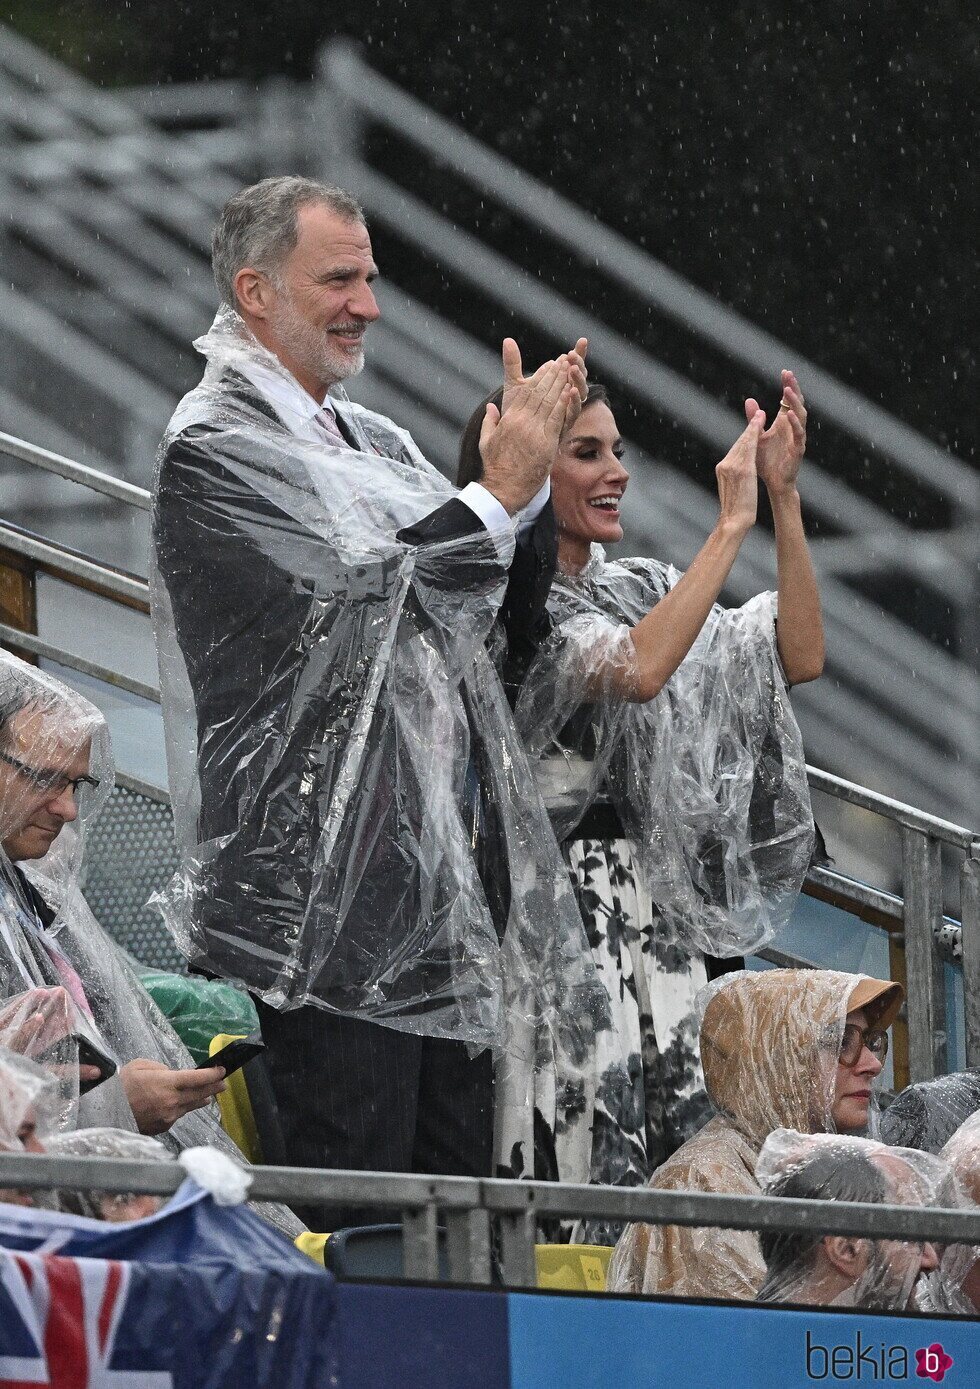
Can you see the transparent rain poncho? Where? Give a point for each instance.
(339, 746)
(708, 778)
(120, 1145)
(47, 1026)
(856, 1271)
(51, 946)
(955, 1286)
(770, 1042)
(30, 1100)
(28, 1094)
(927, 1114)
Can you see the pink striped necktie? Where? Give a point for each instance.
(327, 421)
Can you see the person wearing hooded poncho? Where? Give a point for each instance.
(648, 693)
(954, 1287)
(821, 1270)
(793, 1049)
(29, 1111)
(61, 976)
(927, 1114)
(359, 837)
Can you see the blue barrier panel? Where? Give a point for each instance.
(580, 1342)
(422, 1338)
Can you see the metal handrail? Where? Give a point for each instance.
(644, 275)
(85, 476)
(424, 1201)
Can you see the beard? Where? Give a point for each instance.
(314, 349)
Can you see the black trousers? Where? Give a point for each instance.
(356, 1095)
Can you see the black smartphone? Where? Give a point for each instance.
(236, 1053)
(89, 1055)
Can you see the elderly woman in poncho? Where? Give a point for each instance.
(781, 1049)
(672, 763)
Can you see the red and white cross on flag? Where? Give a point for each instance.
(71, 1310)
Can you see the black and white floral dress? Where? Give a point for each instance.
(686, 828)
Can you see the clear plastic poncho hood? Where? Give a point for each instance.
(119, 1145)
(28, 1093)
(770, 1042)
(955, 1285)
(56, 769)
(61, 975)
(852, 1272)
(332, 718)
(927, 1114)
(709, 778)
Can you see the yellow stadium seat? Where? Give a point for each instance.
(311, 1244)
(237, 1119)
(572, 1267)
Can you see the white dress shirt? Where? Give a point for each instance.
(298, 411)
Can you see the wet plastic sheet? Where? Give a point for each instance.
(770, 1043)
(927, 1114)
(846, 1271)
(955, 1286)
(199, 1009)
(339, 746)
(709, 777)
(55, 958)
(120, 1145)
(29, 1093)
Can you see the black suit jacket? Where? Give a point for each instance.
(252, 631)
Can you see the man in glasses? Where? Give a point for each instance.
(46, 776)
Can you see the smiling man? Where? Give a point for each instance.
(355, 823)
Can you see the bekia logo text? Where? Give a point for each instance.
(872, 1362)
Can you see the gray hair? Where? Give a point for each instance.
(258, 226)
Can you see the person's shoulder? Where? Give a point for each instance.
(652, 572)
(712, 1160)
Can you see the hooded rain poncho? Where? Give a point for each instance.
(769, 1047)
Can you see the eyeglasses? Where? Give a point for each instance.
(48, 781)
(855, 1039)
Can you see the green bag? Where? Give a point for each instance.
(198, 1009)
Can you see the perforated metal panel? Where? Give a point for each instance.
(130, 854)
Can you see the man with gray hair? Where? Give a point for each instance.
(357, 825)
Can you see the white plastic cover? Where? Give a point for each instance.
(73, 954)
(226, 1180)
(770, 1042)
(955, 1286)
(28, 1092)
(872, 1273)
(107, 1143)
(709, 778)
(338, 742)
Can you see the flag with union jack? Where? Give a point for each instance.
(184, 1312)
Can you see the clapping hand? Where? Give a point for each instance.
(519, 442)
(782, 445)
(577, 374)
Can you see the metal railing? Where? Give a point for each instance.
(464, 1208)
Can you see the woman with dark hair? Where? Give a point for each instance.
(672, 764)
